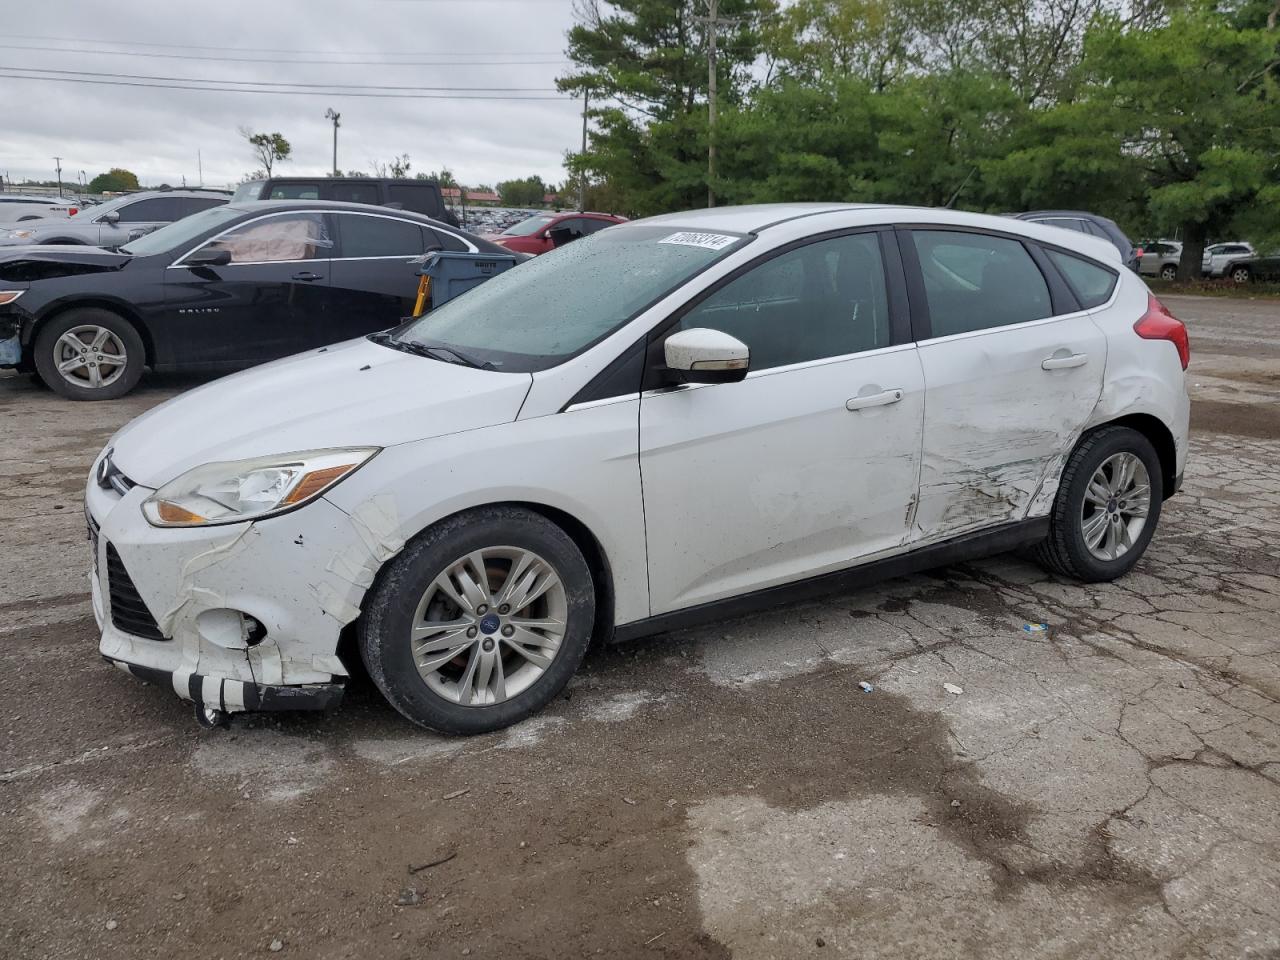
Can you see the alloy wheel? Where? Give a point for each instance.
(489, 626)
(1116, 504)
(90, 356)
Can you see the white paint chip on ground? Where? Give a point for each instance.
(952, 688)
(265, 764)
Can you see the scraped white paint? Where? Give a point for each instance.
(393, 751)
(64, 811)
(621, 706)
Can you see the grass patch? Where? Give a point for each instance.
(1215, 288)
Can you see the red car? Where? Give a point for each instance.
(546, 231)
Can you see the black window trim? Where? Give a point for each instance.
(1062, 298)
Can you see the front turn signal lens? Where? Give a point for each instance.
(8, 296)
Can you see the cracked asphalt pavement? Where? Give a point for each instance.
(1108, 787)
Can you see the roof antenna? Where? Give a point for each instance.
(951, 203)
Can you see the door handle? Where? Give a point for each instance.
(1064, 363)
(873, 400)
(307, 275)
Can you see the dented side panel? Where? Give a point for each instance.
(998, 426)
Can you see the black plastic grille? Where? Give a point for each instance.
(128, 612)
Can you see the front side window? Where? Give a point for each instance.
(974, 281)
(294, 191)
(1092, 283)
(542, 312)
(378, 237)
(825, 299)
(355, 192)
(154, 210)
(294, 236)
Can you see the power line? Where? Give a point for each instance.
(277, 62)
(343, 53)
(9, 73)
(279, 83)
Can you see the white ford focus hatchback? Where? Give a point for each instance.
(671, 421)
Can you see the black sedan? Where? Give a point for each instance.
(226, 288)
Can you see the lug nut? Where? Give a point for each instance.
(482, 609)
(487, 645)
(505, 609)
(508, 630)
(471, 631)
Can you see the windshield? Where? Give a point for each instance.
(528, 227)
(180, 232)
(247, 191)
(544, 311)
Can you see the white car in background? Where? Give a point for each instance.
(667, 423)
(1160, 258)
(1216, 257)
(14, 208)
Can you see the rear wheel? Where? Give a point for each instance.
(1107, 506)
(1169, 272)
(89, 354)
(480, 622)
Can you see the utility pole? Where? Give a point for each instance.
(331, 114)
(58, 161)
(200, 167)
(713, 21)
(582, 174)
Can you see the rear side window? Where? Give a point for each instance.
(974, 281)
(446, 241)
(1092, 283)
(190, 205)
(363, 236)
(411, 196)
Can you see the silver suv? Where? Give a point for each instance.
(116, 222)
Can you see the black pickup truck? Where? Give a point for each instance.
(416, 196)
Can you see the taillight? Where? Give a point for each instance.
(1138, 252)
(1159, 324)
(73, 212)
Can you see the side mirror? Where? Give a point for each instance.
(208, 257)
(111, 216)
(702, 355)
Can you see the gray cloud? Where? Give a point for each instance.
(157, 132)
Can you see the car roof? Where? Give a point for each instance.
(759, 218)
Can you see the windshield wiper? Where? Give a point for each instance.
(431, 351)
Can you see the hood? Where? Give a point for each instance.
(353, 394)
(24, 264)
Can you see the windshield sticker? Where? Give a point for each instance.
(712, 241)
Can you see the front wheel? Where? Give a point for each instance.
(1107, 506)
(1240, 274)
(480, 622)
(1169, 272)
(89, 354)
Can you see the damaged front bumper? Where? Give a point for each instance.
(10, 341)
(239, 617)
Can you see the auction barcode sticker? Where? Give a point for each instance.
(712, 241)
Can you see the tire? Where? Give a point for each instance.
(514, 686)
(1169, 272)
(1240, 274)
(1076, 510)
(117, 338)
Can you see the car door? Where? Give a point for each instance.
(136, 220)
(271, 300)
(374, 278)
(810, 463)
(1012, 368)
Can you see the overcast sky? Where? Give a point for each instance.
(157, 132)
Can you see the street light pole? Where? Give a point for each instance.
(331, 114)
(58, 161)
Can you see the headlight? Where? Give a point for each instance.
(21, 234)
(249, 489)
